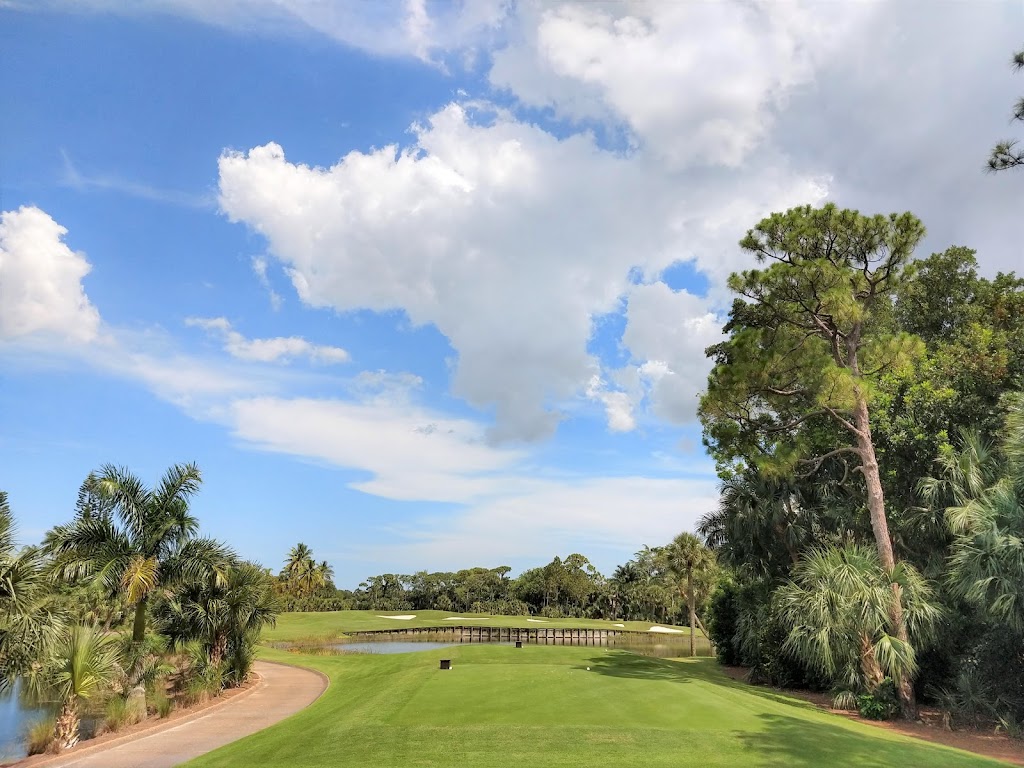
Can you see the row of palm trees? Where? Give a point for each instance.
(140, 548)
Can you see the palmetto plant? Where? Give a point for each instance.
(81, 663)
(139, 540)
(839, 610)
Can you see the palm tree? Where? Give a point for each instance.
(140, 541)
(300, 570)
(690, 563)
(982, 490)
(29, 621)
(226, 616)
(839, 610)
(82, 663)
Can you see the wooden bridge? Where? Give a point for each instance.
(482, 634)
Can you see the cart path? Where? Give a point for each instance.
(282, 691)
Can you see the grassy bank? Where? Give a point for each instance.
(300, 626)
(541, 706)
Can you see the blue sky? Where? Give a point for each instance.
(427, 285)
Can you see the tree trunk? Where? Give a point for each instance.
(691, 600)
(65, 729)
(869, 663)
(139, 628)
(880, 527)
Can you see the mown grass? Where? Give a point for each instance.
(294, 627)
(541, 706)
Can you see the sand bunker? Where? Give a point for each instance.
(620, 625)
(539, 621)
(667, 630)
(400, 618)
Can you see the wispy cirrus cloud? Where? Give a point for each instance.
(75, 179)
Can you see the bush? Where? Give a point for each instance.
(722, 624)
(881, 704)
(39, 735)
(161, 704)
(117, 714)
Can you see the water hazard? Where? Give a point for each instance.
(15, 718)
(659, 647)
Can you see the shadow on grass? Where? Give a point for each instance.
(631, 665)
(791, 742)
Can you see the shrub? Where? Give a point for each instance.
(117, 714)
(881, 703)
(161, 704)
(39, 736)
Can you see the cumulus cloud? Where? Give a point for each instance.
(667, 332)
(41, 291)
(277, 349)
(506, 238)
(694, 82)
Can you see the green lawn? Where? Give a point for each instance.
(539, 706)
(303, 626)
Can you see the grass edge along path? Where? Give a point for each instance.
(542, 705)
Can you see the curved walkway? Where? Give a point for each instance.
(282, 691)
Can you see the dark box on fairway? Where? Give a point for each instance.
(446, 663)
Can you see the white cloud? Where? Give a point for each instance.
(277, 349)
(41, 292)
(418, 28)
(259, 266)
(694, 82)
(411, 453)
(669, 331)
(606, 518)
(507, 239)
(618, 406)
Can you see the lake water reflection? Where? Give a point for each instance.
(660, 646)
(15, 718)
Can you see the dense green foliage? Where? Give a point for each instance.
(909, 441)
(77, 614)
(543, 706)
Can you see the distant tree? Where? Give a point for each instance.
(691, 563)
(1005, 154)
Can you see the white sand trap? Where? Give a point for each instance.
(620, 625)
(468, 618)
(539, 621)
(400, 618)
(666, 630)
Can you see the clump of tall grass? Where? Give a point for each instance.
(117, 714)
(161, 703)
(39, 735)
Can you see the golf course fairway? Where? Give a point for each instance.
(540, 706)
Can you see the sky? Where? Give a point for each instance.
(427, 285)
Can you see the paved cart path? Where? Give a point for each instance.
(282, 691)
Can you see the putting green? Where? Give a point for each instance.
(540, 706)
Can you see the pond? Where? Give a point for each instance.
(657, 646)
(15, 718)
